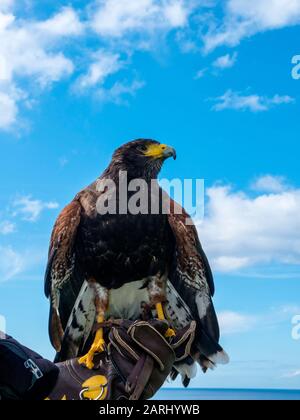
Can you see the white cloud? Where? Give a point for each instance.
(225, 61)
(241, 231)
(30, 209)
(104, 64)
(115, 18)
(270, 183)
(226, 263)
(28, 50)
(11, 263)
(281, 99)
(119, 92)
(15, 262)
(7, 227)
(25, 50)
(293, 374)
(235, 323)
(63, 161)
(176, 13)
(8, 110)
(200, 73)
(289, 310)
(254, 103)
(232, 322)
(2, 327)
(125, 27)
(64, 23)
(6, 5)
(244, 18)
(47, 68)
(35, 51)
(266, 14)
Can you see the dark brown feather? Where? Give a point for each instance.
(190, 258)
(59, 270)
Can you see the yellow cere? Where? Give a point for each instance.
(156, 150)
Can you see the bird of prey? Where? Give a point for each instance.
(116, 264)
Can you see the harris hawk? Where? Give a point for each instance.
(116, 264)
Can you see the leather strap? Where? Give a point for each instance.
(139, 377)
(152, 343)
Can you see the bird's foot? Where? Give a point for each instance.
(87, 360)
(170, 333)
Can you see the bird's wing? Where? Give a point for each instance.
(191, 279)
(77, 333)
(63, 278)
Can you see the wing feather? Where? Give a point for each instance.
(192, 279)
(63, 277)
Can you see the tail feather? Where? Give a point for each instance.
(209, 331)
(207, 316)
(211, 349)
(207, 348)
(187, 370)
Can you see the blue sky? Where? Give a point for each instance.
(211, 78)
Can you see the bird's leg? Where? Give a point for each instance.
(98, 346)
(156, 290)
(160, 314)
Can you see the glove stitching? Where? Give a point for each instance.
(155, 357)
(127, 347)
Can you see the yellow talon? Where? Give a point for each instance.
(160, 313)
(170, 333)
(98, 346)
(87, 360)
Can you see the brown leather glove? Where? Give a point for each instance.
(137, 362)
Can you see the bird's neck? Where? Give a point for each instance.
(116, 171)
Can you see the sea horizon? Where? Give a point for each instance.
(202, 394)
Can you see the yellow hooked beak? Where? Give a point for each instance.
(160, 151)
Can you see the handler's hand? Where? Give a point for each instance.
(137, 362)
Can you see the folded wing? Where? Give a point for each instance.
(191, 289)
(64, 277)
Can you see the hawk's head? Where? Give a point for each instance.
(142, 158)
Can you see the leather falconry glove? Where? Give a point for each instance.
(135, 365)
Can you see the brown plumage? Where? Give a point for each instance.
(123, 260)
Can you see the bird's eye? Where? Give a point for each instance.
(143, 148)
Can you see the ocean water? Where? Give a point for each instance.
(226, 394)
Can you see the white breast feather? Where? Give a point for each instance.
(126, 301)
